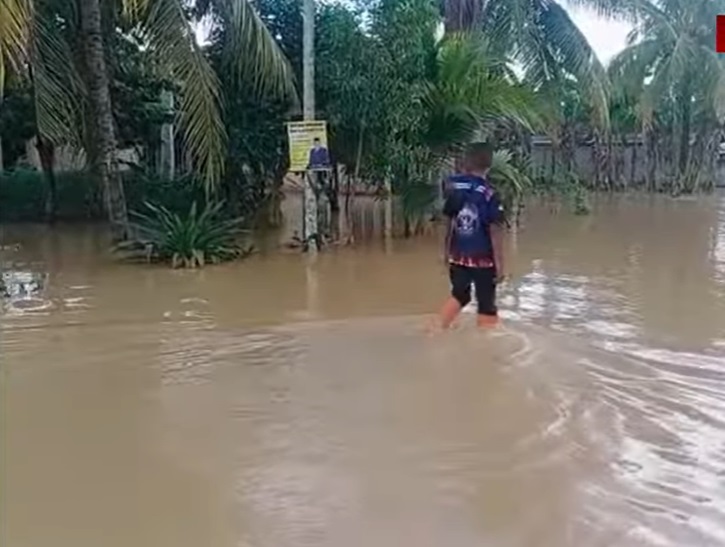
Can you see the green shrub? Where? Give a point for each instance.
(565, 188)
(23, 195)
(191, 240)
(175, 194)
(511, 181)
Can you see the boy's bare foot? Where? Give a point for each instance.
(487, 321)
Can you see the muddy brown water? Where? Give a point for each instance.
(277, 403)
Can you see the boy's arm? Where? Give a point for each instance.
(449, 211)
(447, 241)
(498, 231)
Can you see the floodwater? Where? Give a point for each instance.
(274, 403)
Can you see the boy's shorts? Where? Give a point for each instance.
(484, 279)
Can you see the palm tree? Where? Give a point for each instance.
(474, 89)
(540, 35)
(471, 89)
(166, 27)
(105, 162)
(15, 16)
(670, 68)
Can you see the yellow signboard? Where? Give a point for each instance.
(308, 146)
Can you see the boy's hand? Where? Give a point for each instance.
(501, 274)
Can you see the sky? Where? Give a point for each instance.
(606, 37)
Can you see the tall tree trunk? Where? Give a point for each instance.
(711, 157)
(349, 232)
(596, 172)
(105, 160)
(167, 157)
(650, 159)
(633, 167)
(462, 15)
(2, 87)
(308, 100)
(46, 153)
(333, 197)
(685, 128)
(388, 227)
(620, 148)
(602, 160)
(568, 148)
(553, 161)
(609, 158)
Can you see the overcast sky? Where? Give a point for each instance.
(606, 37)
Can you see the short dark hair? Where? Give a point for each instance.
(316, 139)
(478, 156)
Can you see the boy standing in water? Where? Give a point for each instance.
(474, 238)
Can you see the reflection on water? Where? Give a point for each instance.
(278, 402)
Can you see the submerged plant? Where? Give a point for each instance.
(511, 182)
(189, 241)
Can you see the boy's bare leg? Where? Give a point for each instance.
(450, 310)
(487, 321)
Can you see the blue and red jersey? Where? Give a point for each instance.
(473, 206)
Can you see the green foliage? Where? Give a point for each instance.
(401, 100)
(347, 92)
(136, 94)
(436, 96)
(670, 82)
(142, 185)
(417, 198)
(34, 105)
(192, 240)
(471, 75)
(17, 120)
(670, 52)
(566, 187)
(54, 45)
(549, 47)
(510, 180)
(23, 194)
(256, 147)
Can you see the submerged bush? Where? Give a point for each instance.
(566, 189)
(24, 191)
(191, 240)
(23, 194)
(511, 182)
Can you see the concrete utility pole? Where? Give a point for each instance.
(308, 59)
(308, 106)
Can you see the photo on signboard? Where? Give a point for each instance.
(308, 150)
(319, 157)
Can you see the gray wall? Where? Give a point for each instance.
(541, 159)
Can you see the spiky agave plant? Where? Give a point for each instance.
(200, 237)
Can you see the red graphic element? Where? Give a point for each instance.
(720, 34)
